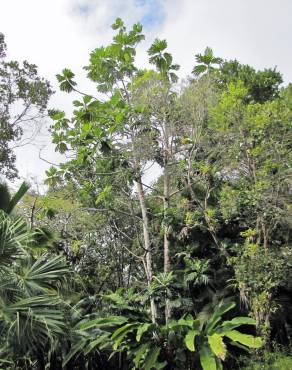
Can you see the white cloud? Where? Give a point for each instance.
(257, 32)
(61, 33)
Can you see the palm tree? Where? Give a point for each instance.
(206, 60)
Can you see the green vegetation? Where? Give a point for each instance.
(192, 271)
(273, 361)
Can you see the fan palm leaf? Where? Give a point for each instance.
(14, 238)
(41, 275)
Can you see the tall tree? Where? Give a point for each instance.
(110, 128)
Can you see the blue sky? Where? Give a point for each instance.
(153, 10)
(154, 14)
(150, 13)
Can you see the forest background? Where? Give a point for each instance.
(107, 269)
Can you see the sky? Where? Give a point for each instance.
(54, 34)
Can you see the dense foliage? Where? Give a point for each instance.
(193, 270)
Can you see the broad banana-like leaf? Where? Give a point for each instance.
(207, 359)
(188, 321)
(245, 339)
(190, 339)
(234, 323)
(216, 317)
(217, 346)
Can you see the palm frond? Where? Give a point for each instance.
(17, 196)
(14, 238)
(32, 321)
(44, 274)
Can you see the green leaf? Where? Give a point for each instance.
(157, 46)
(118, 24)
(127, 57)
(105, 193)
(102, 341)
(140, 353)
(190, 339)
(103, 322)
(160, 365)
(245, 339)
(216, 317)
(61, 147)
(207, 359)
(74, 350)
(66, 80)
(121, 333)
(57, 115)
(190, 322)
(119, 117)
(87, 99)
(17, 196)
(150, 361)
(76, 103)
(217, 346)
(122, 329)
(120, 338)
(67, 73)
(86, 126)
(141, 330)
(199, 69)
(234, 323)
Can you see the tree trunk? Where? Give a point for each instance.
(147, 243)
(166, 195)
(166, 263)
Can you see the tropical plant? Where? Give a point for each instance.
(150, 345)
(149, 257)
(31, 308)
(8, 202)
(207, 62)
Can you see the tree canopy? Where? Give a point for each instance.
(190, 271)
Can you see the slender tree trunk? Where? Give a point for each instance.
(147, 243)
(166, 263)
(32, 213)
(166, 246)
(166, 195)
